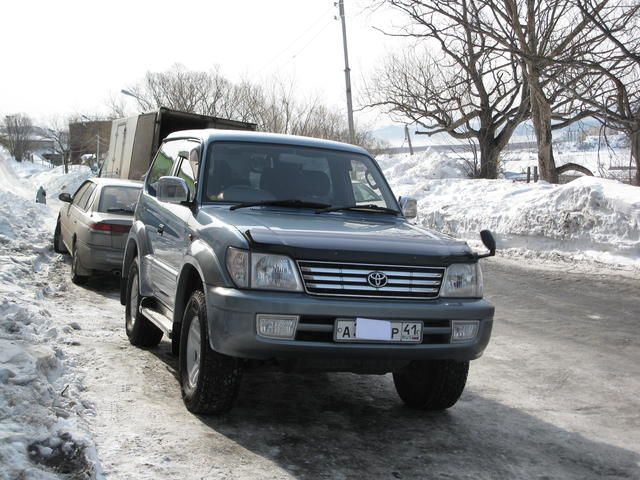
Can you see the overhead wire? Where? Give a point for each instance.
(291, 44)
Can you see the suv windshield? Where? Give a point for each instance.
(240, 172)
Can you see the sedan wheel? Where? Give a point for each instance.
(75, 278)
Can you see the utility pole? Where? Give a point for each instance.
(408, 137)
(347, 74)
(98, 149)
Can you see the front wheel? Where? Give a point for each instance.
(209, 380)
(431, 385)
(58, 244)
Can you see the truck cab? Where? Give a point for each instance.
(253, 249)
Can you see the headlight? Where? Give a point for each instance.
(462, 280)
(274, 272)
(268, 272)
(238, 266)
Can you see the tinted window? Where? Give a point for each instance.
(248, 172)
(162, 164)
(117, 199)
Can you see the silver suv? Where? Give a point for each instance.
(251, 249)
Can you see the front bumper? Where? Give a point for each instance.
(232, 325)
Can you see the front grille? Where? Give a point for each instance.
(351, 279)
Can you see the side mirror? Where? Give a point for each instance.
(409, 207)
(65, 197)
(172, 190)
(489, 242)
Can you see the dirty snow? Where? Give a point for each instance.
(590, 219)
(42, 427)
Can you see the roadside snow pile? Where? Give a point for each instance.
(55, 181)
(40, 405)
(589, 218)
(406, 169)
(39, 437)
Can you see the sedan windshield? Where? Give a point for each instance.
(255, 173)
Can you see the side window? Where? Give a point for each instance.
(87, 197)
(82, 195)
(162, 164)
(190, 162)
(365, 188)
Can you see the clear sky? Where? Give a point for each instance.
(69, 56)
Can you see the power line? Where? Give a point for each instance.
(312, 39)
(305, 32)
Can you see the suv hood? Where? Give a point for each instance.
(354, 237)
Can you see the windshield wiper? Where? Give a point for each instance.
(370, 207)
(123, 210)
(293, 203)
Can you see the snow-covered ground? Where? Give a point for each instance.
(42, 430)
(69, 379)
(591, 219)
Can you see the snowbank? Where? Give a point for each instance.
(406, 169)
(41, 434)
(590, 218)
(55, 181)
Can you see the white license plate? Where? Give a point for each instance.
(372, 330)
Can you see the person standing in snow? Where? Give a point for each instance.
(41, 196)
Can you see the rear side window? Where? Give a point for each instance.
(117, 199)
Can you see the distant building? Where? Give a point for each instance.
(89, 137)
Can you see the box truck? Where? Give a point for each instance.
(135, 140)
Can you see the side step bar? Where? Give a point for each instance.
(158, 319)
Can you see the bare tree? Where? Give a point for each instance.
(549, 38)
(612, 90)
(16, 135)
(117, 107)
(182, 89)
(457, 82)
(274, 106)
(57, 131)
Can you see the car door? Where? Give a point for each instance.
(154, 216)
(170, 235)
(79, 217)
(68, 217)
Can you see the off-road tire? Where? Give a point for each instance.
(141, 332)
(431, 385)
(75, 278)
(219, 375)
(58, 245)
(175, 339)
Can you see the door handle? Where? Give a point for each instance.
(160, 229)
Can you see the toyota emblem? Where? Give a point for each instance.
(377, 279)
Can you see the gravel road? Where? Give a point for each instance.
(556, 396)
